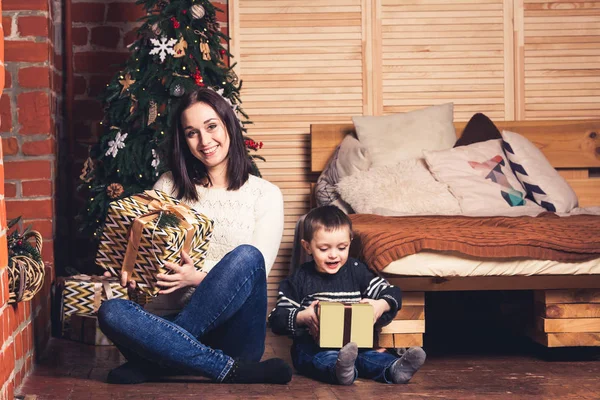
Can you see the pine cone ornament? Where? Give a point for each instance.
(114, 190)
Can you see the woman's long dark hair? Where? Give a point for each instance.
(187, 170)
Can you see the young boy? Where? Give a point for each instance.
(332, 276)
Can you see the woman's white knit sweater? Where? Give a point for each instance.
(251, 215)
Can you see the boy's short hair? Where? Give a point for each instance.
(329, 218)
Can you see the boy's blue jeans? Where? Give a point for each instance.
(317, 363)
(225, 318)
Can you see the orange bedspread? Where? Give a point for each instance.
(545, 237)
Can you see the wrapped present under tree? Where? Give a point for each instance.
(144, 231)
(83, 294)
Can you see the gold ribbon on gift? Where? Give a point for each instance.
(156, 206)
(100, 283)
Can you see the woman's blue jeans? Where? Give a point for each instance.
(317, 363)
(224, 319)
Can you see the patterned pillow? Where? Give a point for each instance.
(542, 183)
(349, 157)
(325, 191)
(479, 177)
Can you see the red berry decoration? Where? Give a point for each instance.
(222, 52)
(176, 23)
(19, 242)
(198, 78)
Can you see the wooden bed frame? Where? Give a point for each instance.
(568, 306)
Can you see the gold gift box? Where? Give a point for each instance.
(133, 239)
(83, 294)
(85, 328)
(340, 324)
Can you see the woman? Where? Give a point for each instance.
(220, 332)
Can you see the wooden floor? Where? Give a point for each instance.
(72, 370)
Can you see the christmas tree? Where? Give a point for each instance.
(179, 48)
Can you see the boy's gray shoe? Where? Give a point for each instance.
(403, 369)
(344, 367)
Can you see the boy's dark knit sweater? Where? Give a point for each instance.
(353, 282)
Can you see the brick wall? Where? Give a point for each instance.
(28, 109)
(101, 32)
(31, 126)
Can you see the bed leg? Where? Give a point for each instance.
(407, 329)
(567, 317)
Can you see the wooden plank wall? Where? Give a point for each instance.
(561, 55)
(326, 61)
(441, 51)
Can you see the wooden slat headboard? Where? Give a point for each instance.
(571, 146)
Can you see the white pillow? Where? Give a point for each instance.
(393, 138)
(406, 188)
(541, 181)
(479, 177)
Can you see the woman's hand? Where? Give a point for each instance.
(130, 285)
(184, 275)
(308, 317)
(379, 307)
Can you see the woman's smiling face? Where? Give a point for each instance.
(206, 135)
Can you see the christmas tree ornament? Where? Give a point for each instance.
(162, 4)
(114, 190)
(232, 77)
(198, 78)
(180, 48)
(156, 29)
(205, 49)
(197, 11)
(177, 90)
(134, 104)
(115, 145)
(176, 23)
(152, 112)
(222, 52)
(163, 47)
(200, 33)
(86, 172)
(155, 161)
(126, 82)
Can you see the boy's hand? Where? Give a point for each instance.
(308, 317)
(379, 307)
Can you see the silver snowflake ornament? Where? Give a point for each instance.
(163, 47)
(115, 145)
